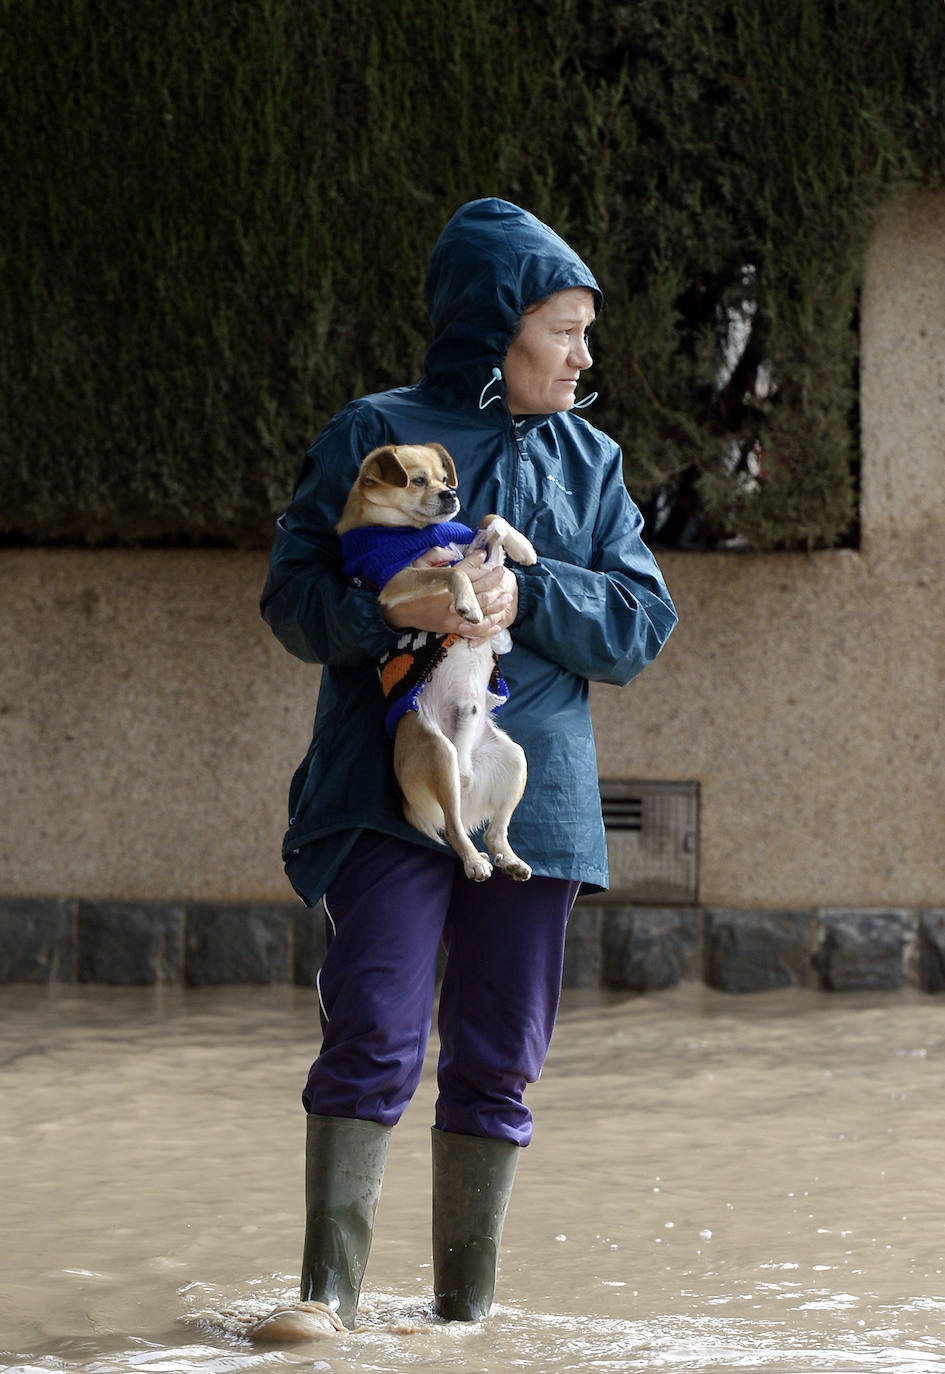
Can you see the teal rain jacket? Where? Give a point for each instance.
(594, 608)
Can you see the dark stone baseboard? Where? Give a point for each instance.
(128, 943)
(633, 949)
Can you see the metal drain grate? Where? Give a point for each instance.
(652, 840)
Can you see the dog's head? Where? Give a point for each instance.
(402, 484)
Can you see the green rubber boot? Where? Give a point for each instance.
(344, 1166)
(472, 1182)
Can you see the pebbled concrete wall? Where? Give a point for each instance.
(149, 722)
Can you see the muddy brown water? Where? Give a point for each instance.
(715, 1183)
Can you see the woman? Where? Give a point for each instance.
(511, 305)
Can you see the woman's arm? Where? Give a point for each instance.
(605, 622)
(306, 600)
(496, 591)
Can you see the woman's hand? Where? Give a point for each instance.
(496, 591)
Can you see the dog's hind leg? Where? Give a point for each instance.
(427, 768)
(505, 761)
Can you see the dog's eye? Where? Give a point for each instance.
(418, 481)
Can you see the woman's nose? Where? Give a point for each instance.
(581, 354)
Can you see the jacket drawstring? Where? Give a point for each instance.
(496, 377)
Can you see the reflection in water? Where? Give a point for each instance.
(715, 1184)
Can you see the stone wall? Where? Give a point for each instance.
(630, 949)
(149, 722)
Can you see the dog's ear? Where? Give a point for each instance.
(383, 465)
(447, 463)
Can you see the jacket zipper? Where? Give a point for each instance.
(518, 503)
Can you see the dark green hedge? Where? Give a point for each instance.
(217, 218)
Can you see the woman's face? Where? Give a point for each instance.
(548, 353)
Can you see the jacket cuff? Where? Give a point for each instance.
(530, 581)
(377, 636)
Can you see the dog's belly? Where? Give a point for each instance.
(457, 699)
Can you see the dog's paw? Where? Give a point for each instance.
(477, 870)
(520, 549)
(513, 867)
(464, 597)
(471, 613)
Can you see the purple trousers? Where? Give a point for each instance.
(385, 915)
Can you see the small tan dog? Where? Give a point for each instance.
(457, 770)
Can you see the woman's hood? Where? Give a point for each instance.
(489, 264)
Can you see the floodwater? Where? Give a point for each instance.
(715, 1184)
